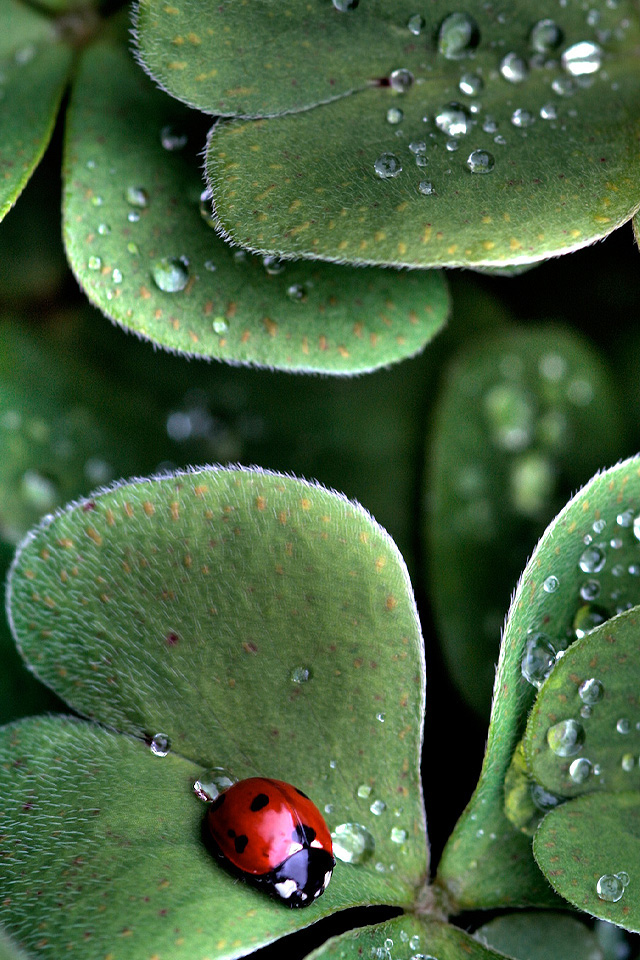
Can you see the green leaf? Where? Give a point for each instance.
(540, 936)
(102, 853)
(151, 261)
(591, 691)
(8, 949)
(602, 512)
(337, 183)
(194, 604)
(522, 419)
(34, 68)
(588, 845)
(410, 936)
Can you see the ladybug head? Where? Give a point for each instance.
(302, 877)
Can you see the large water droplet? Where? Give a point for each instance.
(352, 843)
(453, 120)
(171, 274)
(538, 660)
(592, 560)
(137, 196)
(400, 80)
(588, 617)
(458, 35)
(213, 782)
(545, 35)
(580, 770)
(513, 68)
(566, 738)
(582, 58)
(387, 165)
(160, 745)
(590, 691)
(481, 161)
(610, 888)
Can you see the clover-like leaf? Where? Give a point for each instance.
(263, 624)
(411, 936)
(523, 417)
(589, 849)
(139, 238)
(34, 67)
(528, 148)
(540, 936)
(580, 573)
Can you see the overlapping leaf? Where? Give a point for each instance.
(523, 418)
(140, 240)
(527, 150)
(263, 624)
(540, 936)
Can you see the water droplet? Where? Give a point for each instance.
(563, 86)
(172, 139)
(586, 711)
(414, 942)
(415, 24)
(378, 807)
(538, 660)
(489, 125)
(394, 115)
(133, 216)
(171, 274)
(590, 589)
(470, 84)
(599, 525)
(592, 560)
(329, 807)
(116, 275)
(625, 519)
(387, 165)
(543, 799)
(551, 584)
(160, 745)
(522, 118)
(453, 120)
(137, 196)
(452, 145)
(510, 413)
(94, 263)
(104, 229)
(565, 738)
(97, 200)
(219, 325)
(352, 843)
(623, 725)
(426, 188)
(380, 717)
(582, 58)
(345, 5)
(548, 111)
(591, 691)
(274, 266)
(627, 763)
(513, 68)
(297, 291)
(418, 146)
(210, 266)
(206, 209)
(458, 36)
(421, 160)
(398, 835)
(610, 888)
(587, 618)
(623, 876)
(213, 782)
(481, 161)
(580, 770)
(545, 35)
(300, 674)
(400, 80)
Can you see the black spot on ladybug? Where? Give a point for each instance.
(258, 802)
(231, 833)
(241, 842)
(303, 834)
(301, 793)
(217, 803)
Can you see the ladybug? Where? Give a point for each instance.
(270, 833)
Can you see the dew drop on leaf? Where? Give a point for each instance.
(352, 843)
(300, 674)
(545, 35)
(394, 115)
(470, 84)
(219, 325)
(513, 68)
(345, 5)
(400, 80)
(610, 888)
(453, 120)
(592, 560)
(212, 782)
(415, 24)
(387, 166)
(582, 58)
(170, 274)
(587, 618)
(160, 745)
(137, 196)
(481, 161)
(458, 35)
(378, 807)
(580, 770)
(623, 725)
(591, 691)
(565, 738)
(426, 188)
(538, 660)
(274, 266)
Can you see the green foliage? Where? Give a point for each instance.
(535, 936)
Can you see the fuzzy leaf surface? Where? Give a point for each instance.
(522, 419)
(190, 605)
(593, 513)
(540, 936)
(306, 184)
(34, 68)
(226, 303)
(87, 872)
(594, 838)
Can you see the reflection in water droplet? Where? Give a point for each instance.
(137, 196)
(565, 738)
(587, 618)
(400, 80)
(212, 782)
(387, 165)
(470, 84)
(545, 35)
(458, 35)
(378, 807)
(582, 58)
(590, 691)
(592, 560)
(453, 120)
(352, 843)
(416, 24)
(580, 770)
(610, 888)
(481, 161)
(538, 660)
(116, 275)
(160, 745)
(172, 139)
(170, 274)
(513, 68)
(300, 674)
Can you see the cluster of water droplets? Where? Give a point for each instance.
(611, 886)
(389, 951)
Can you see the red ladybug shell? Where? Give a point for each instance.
(273, 834)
